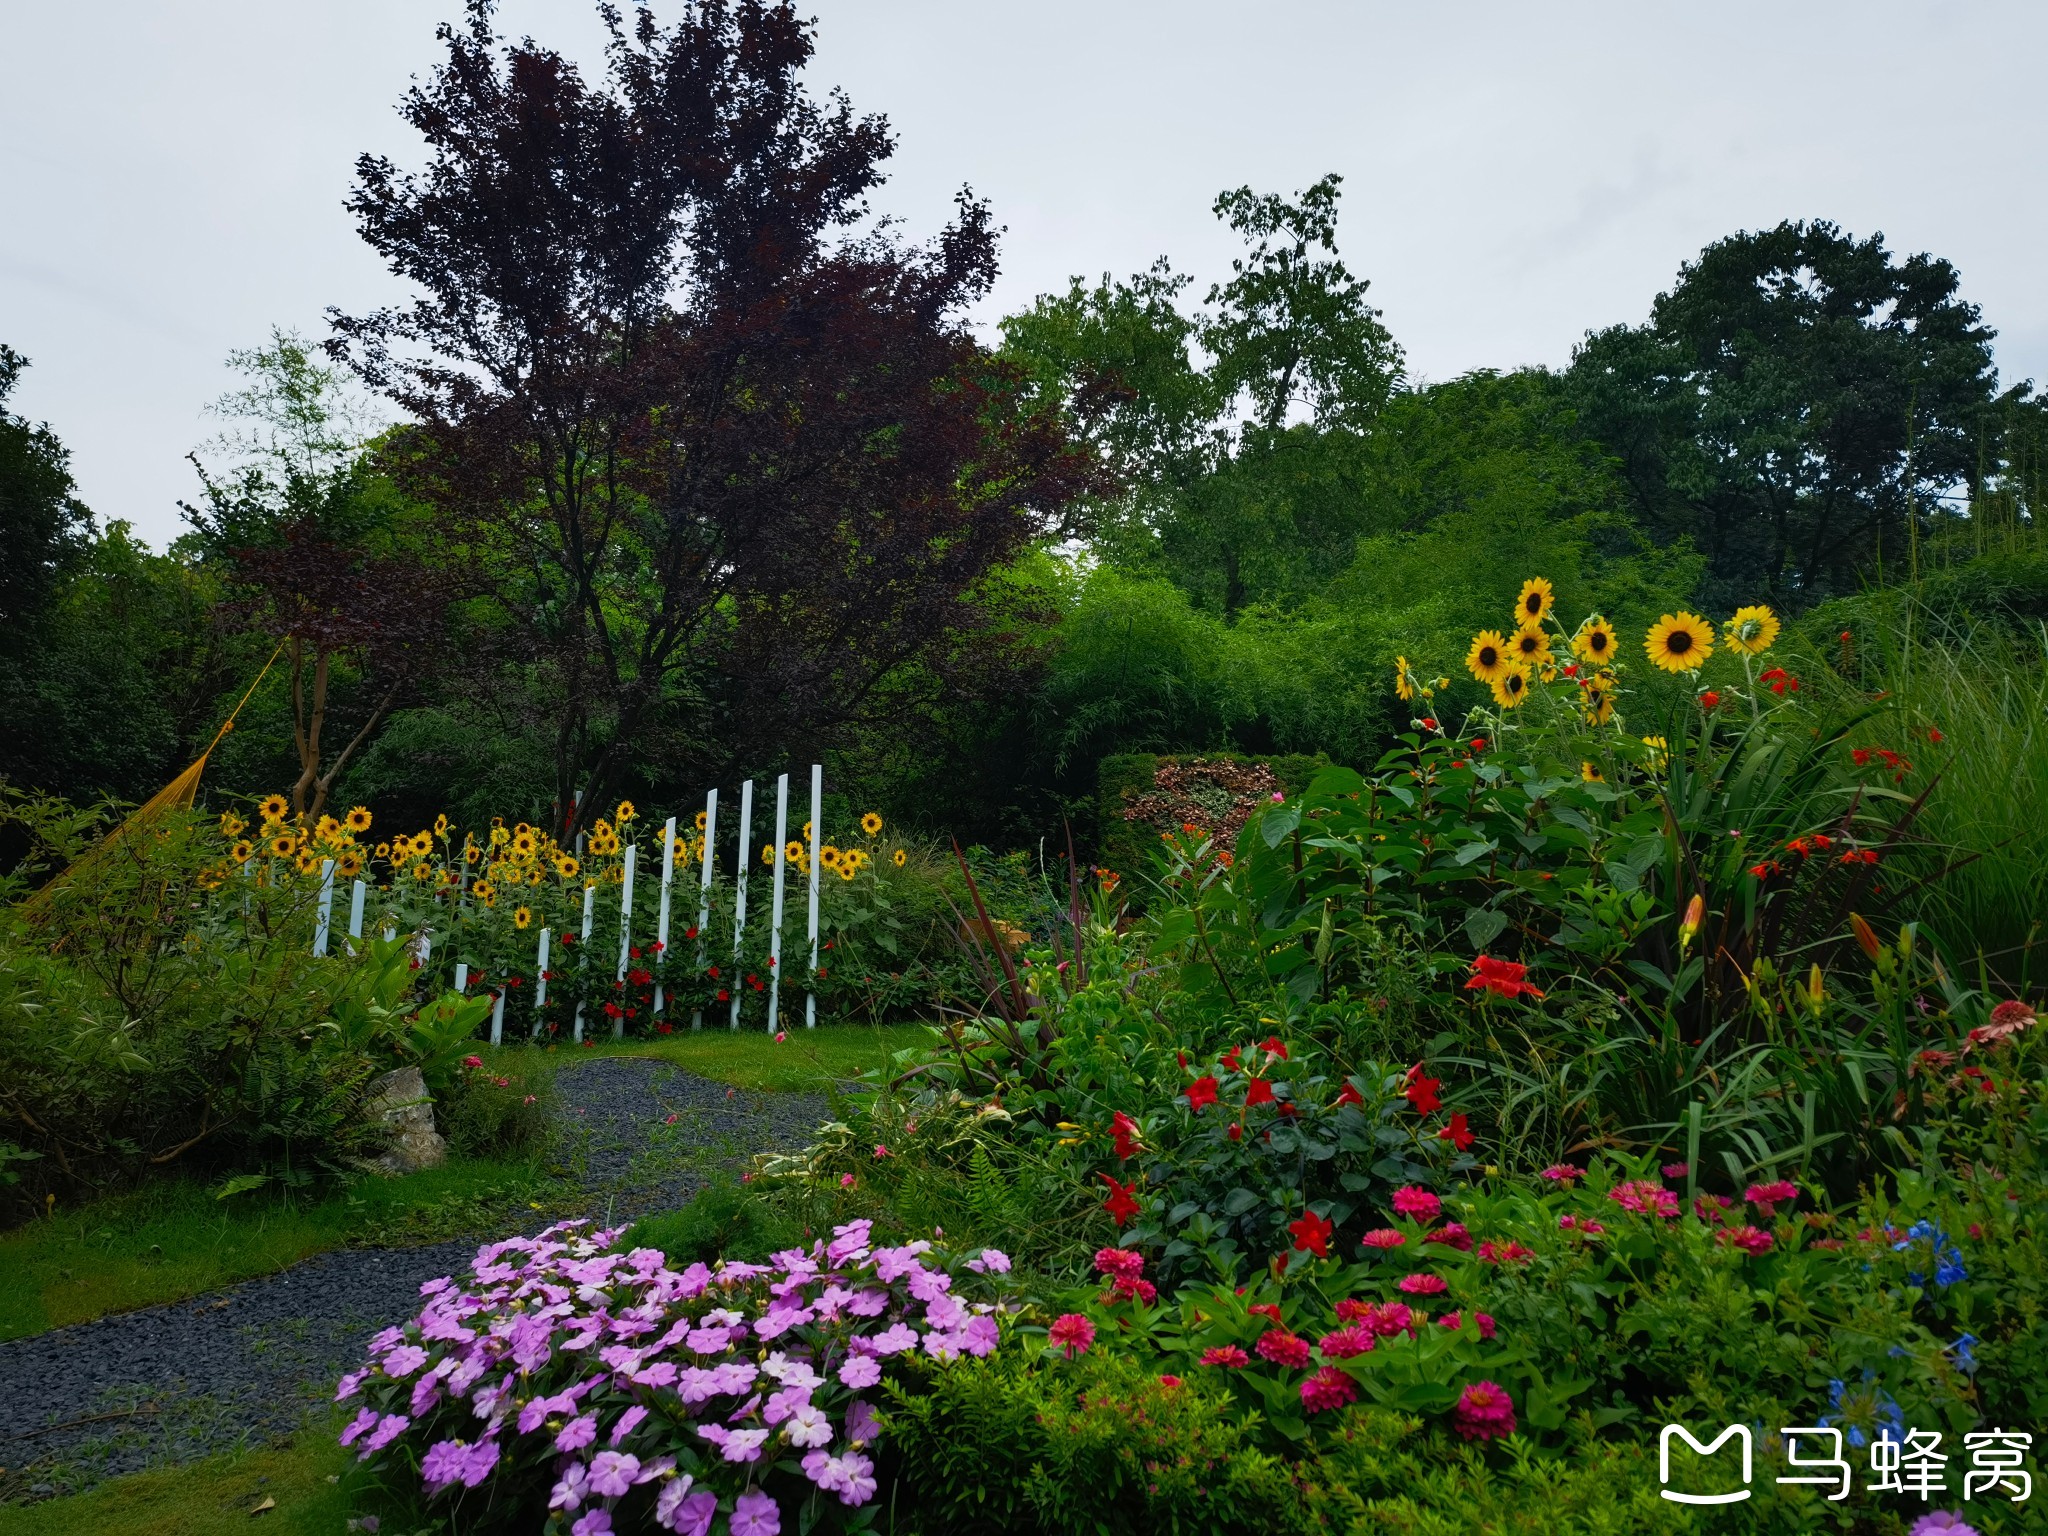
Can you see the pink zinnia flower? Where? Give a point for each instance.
(1228, 1356)
(1451, 1234)
(1423, 1285)
(1749, 1239)
(1383, 1238)
(1072, 1333)
(1645, 1197)
(1328, 1388)
(1768, 1197)
(1346, 1342)
(1417, 1204)
(1456, 1319)
(1563, 1173)
(1283, 1348)
(1484, 1412)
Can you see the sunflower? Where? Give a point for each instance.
(767, 853)
(500, 837)
(625, 812)
(231, 825)
(243, 851)
(1680, 642)
(793, 851)
(848, 869)
(272, 807)
(1596, 698)
(282, 845)
(523, 843)
(700, 820)
(536, 876)
(358, 818)
(1533, 606)
(349, 865)
(421, 872)
(871, 823)
(1403, 689)
(1511, 688)
(1591, 773)
(1594, 642)
(1488, 659)
(210, 879)
(898, 857)
(446, 876)
(522, 917)
(441, 825)
(1530, 646)
(1658, 748)
(829, 856)
(307, 862)
(327, 829)
(485, 892)
(566, 866)
(1752, 630)
(384, 850)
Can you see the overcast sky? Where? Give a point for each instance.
(172, 174)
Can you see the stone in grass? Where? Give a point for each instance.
(399, 1103)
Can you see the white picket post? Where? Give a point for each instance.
(540, 988)
(668, 874)
(326, 907)
(462, 976)
(355, 910)
(739, 900)
(817, 811)
(709, 854)
(775, 919)
(583, 951)
(498, 1018)
(625, 934)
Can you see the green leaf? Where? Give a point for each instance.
(1483, 925)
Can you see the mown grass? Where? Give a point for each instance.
(304, 1478)
(806, 1061)
(174, 1239)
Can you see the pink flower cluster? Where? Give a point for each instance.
(1768, 1197)
(1124, 1268)
(589, 1374)
(1484, 1412)
(1645, 1197)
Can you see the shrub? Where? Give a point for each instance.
(488, 1114)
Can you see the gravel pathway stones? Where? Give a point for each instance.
(173, 1383)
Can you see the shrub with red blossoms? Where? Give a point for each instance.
(1484, 1412)
(557, 1376)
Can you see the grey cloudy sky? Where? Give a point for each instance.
(173, 170)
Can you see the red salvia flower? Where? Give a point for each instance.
(1122, 1205)
(1312, 1234)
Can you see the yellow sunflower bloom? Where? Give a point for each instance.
(1403, 689)
(1530, 646)
(1488, 659)
(282, 845)
(871, 823)
(1596, 698)
(848, 869)
(1752, 630)
(421, 872)
(700, 821)
(500, 837)
(898, 857)
(793, 851)
(1533, 606)
(1680, 642)
(383, 850)
(349, 865)
(1658, 748)
(1511, 688)
(231, 825)
(441, 825)
(272, 807)
(523, 843)
(829, 856)
(243, 851)
(1594, 643)
(483, 890)
(522, 917)
(626, 812)
(1591, 773)
(359, 818)
(307, 862)
(536, 876)
(566, 866)
(767, 853)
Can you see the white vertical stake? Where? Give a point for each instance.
(540, 990)
(462, 976)
(625, 933)
(668, 875)
(326, 907)
(811, 981)
(710, 854)
(498, 1018)
(355, 910)
(583, 955)
(775, 918)
(739, 900)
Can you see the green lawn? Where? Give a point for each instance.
(302, 1479)
(806, 1060)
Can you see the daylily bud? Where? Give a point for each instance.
(1816, 997)
(1688, 929)
(1865, 936)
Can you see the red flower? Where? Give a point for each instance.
(1236, 1131)
(1264, 1309)
(1428, 724)
(1502, 977)
(1231, 1060)
(1478, 743)
(1484, 1412)
(1933, 735)
(1421, 1091)
(1124, 1131)
(1121, 1204)
(1710, 700)
(1072, 1333)
(1860, 856)
(1272, 1047)
(724, 996)
(1350, 1095)
(1257, 1090)
(1201, 1093)
(1328, 1388)
(1765, 870)
(1456, 1133)
(1312, 1234)
(1283, 1348)
(1860, 756)
(712, 972)
(1229, 1356)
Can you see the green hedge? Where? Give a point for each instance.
(1119, 779)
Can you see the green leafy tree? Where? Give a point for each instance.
(1800, 405)
(43, 525)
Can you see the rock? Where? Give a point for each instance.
(399, 1102)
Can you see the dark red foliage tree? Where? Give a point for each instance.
(735, 475)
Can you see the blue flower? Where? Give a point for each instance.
(1949, 1269)
(1965, 1351)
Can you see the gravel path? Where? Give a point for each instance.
(173, 1383)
